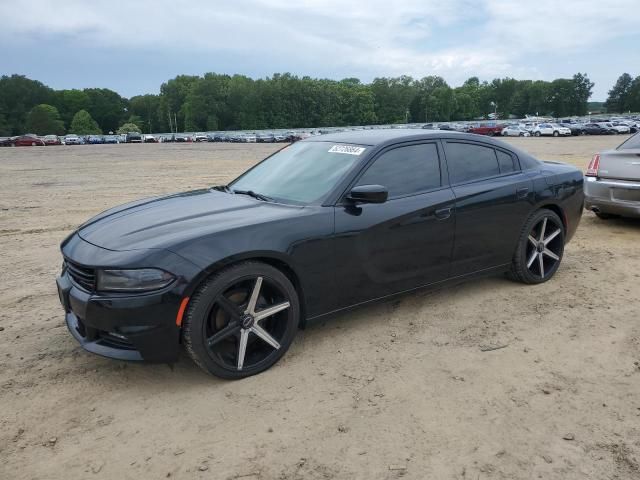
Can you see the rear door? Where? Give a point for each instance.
(403, 243)
(492, 203)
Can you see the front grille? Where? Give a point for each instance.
(83, 276)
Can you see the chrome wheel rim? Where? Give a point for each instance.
(544, 247)
(247, 323)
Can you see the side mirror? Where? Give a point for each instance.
(368, 194)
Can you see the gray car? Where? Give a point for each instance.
(612, 186)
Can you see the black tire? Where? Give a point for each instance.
(556, 133)
(217, 312)
(530, 264)
(605, 216)
(537, 134)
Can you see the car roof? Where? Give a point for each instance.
(382, 136)
(389, 136)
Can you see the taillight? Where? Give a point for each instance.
(594, 165)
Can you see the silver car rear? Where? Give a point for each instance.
(612, 184)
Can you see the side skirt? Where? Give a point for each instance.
(429, 286)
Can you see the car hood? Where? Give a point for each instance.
(165, 221)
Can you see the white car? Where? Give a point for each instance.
(551, 129)
(620, 127)
(515, 131)
(72, 140)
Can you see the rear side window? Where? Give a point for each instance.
(405, 170)
(468, 162)
(506, 162)
(631, 143)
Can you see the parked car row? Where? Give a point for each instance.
(31, 140)
(530, 126)
(568, 129)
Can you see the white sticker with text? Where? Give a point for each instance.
(348, 149)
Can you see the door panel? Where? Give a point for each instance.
(394, 246)
(489, 215)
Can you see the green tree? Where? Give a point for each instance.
(44, 119)
(172, 98)
(147, 108)
(392, 98)
(84, 124)
(582, 88)
(618, 100)
(129, 127)
(634, 95)
(69, 102)
(106, 107)
(18, 95)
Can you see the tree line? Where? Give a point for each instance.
(237, 102)
(625, 95)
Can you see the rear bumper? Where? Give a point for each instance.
(617, 197)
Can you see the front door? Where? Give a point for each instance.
(403, 243)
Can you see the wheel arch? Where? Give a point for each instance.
(275, 259)
(558, 210)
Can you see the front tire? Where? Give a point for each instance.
(540, 248)
(242, 320)
(556, 133)
(537, 134)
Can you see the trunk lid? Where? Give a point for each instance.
(620, 164)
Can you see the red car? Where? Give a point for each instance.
(489, 129)
(52, 140)
(27, 141)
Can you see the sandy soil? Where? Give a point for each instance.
(399, 389)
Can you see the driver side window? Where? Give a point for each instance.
(405, 170)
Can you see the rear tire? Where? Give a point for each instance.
(228, 330)
(537, 134)
(540, 248)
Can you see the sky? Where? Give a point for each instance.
(132, 47)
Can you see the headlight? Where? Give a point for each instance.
(137, 280)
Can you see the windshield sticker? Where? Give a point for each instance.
(348, 149)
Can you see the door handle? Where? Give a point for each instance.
(522, 192)
(443, 213)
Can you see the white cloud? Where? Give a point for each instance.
(452, 38)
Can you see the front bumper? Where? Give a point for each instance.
(141, 327)
(616, 197)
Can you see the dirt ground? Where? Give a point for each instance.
(398, 389)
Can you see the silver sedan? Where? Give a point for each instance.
(612, 186)
(515, 131)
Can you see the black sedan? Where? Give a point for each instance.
(595, 129)
(325, 224)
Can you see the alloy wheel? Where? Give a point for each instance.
(544, 247)
(245, 324)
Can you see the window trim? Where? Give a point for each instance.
(517, 165)
(441, 163)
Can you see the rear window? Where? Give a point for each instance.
(505, 161)
(468, 162)
(630, 143)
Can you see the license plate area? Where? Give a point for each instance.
(625, 195)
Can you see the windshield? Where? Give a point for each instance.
(302, 173)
